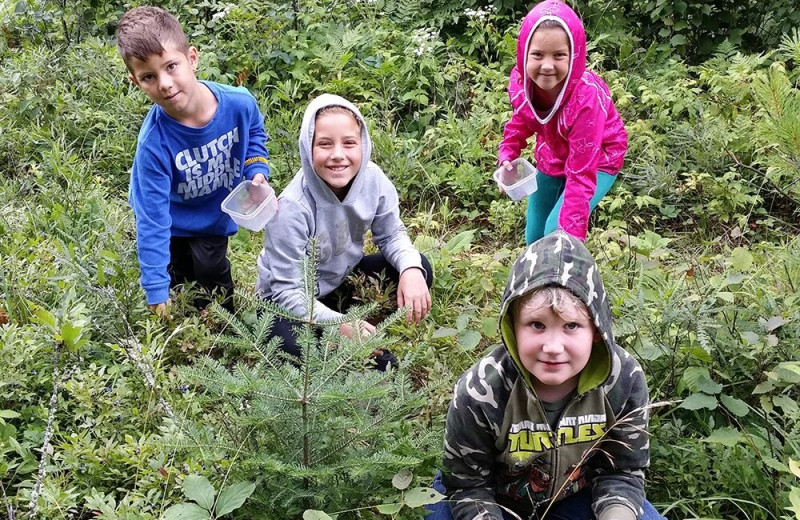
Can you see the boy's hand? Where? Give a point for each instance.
(256, 197)
(413, 291)
(259, 179)
(359, 327)
(162, 309)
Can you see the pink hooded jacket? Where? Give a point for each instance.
(581, 135)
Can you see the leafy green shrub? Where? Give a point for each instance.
(713, 332)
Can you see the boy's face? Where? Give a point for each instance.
(168, 80)
(336, 151)
(553, 347)
(547, 63)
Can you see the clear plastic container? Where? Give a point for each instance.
(251, 206)
(518, 182)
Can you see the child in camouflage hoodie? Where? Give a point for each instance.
(558, 412)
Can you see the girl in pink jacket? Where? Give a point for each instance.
(580, 138)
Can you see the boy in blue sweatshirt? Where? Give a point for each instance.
(197, 143)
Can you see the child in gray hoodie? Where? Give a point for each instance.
(337, 196)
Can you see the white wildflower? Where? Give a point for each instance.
(480, 14)
(422, 38)
(219, 15)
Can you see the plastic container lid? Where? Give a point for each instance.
(518, 182)
(251, 206)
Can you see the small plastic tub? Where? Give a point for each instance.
(520, 181)
(251, 206)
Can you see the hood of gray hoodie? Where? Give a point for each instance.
(322, 193)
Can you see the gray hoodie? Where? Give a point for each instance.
(308, 208)
(500, 449)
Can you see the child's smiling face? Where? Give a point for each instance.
(553, 346)
(547, 62)
(336, 150)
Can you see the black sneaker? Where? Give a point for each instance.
(383, 359)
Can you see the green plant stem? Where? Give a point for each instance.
(9, 508)
(789, 276)
(48, 432)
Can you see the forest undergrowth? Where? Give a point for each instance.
(106, 409)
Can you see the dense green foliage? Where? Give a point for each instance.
(697, 242)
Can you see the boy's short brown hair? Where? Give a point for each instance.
(143, 32)
(560, 299)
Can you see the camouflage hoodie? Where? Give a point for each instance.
(500, 451)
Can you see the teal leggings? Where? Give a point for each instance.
(544, 204)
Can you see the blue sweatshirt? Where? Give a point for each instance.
(181, 175)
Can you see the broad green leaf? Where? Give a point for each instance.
(794, 498)
(69, 334)
(469, 339)
(462, 321)
(42, 316)
(788, 404)
(313, 514)
(741, 259)
(422, 496)
(792, 366)
(402, 479)
(444, 332)
(697, 379)
(772, 340)
(7, 431)
(766, 403)
(425, 243)
(794, 466)
(678, 39)
(186, 511)
(101, 275)
(775, 464)
(390, 509)
(199, 489)
(708, 386)
(763, 387)
(773, 323)
(735, 278)
(233, 496)
(461, 242)
(698, 401)
(736, 406)
(725, 296)
(725, 436)
(787, 373)
(9, 414)
(750, 337)
(489, 327)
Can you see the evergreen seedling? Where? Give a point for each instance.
(319, 431)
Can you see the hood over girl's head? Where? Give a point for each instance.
(335, 147)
